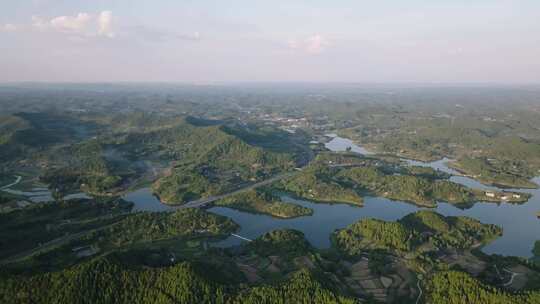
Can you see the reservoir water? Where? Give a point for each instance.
(519, 222)
(145, 200)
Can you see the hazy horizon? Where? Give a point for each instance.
(210, 41)
(403, 84)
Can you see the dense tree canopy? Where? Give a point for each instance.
(413, 231)
(106, 280)
(452, 287)
(263, 201)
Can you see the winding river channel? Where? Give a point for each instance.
(519, 222)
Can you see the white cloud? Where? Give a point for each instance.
(314, 44)
(76, 23)
(105, 24)
(8, 28)
(83, 24)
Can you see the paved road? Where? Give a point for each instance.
(192, 204)
(241, 237)
(514, 274)
(45, 246)
(204, 201)
(53, 243)
(12, 184)
(345, 165)
(207, 200)
(420, 294)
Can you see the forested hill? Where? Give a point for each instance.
(214, 159)
(421, 231)
(20, 133)
(453, 287)
(188, 138)
(107, 280)
(9, 125)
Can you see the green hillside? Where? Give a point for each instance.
(452, 287)
(107, 280)
(423, 230)
(263, 201)
(208, 161)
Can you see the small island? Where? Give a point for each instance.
(317, 183)
(414, 234)
(497, 173)
(264, 202)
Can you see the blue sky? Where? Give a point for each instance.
(280, 40)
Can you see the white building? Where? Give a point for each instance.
(490, 194)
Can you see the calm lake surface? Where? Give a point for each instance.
(519, 222)
(144, 200)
